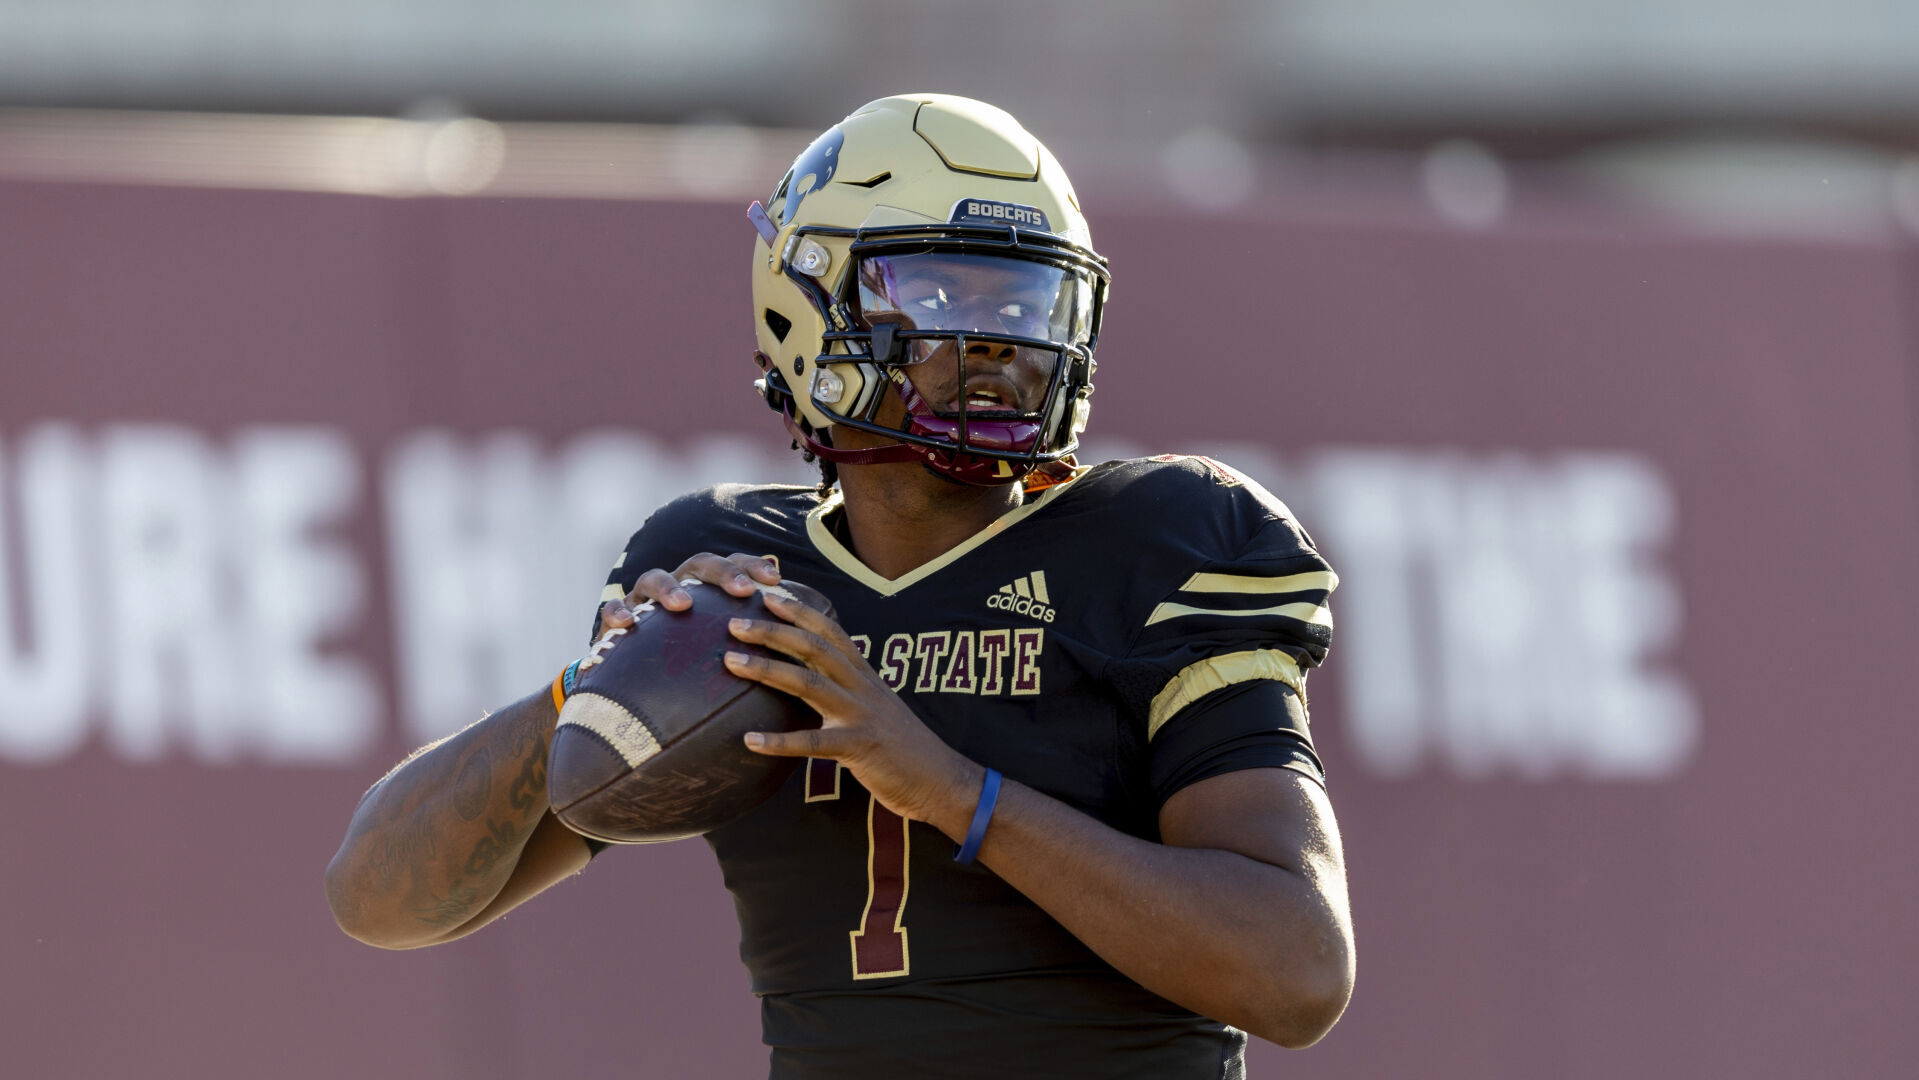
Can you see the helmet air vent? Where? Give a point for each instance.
(778, 323)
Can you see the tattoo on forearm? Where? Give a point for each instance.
(529, 787)
(440, 912)
(408, 845)
(445, 888)
(501, 839)
(474, 785)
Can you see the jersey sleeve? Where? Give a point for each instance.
(1217, 673)
(666, 539)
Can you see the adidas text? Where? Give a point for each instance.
(1020, 605)
(1026, 596)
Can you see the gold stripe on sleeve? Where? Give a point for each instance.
(1240, 583)
(611, 592)
(1317, 614)
(1218, 673)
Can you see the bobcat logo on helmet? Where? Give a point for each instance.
(811, 171)
(904, 187)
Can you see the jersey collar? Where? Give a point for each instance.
(837, 553)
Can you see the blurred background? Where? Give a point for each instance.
(342, 345)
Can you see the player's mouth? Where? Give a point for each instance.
(987, 395)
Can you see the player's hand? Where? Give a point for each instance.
(864, 725)
(735, 573)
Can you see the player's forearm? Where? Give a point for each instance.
(432, 844)
(1262, 947)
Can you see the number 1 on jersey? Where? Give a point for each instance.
(879, 945)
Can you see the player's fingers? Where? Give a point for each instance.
(616, 613)
(811, 742)
(802, 645)
(815, 622)
(802, 682)
(716, 570)
(761, 568)
(661, 588)
(624, 613)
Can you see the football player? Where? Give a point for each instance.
(1063, 815)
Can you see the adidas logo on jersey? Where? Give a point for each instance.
(1025, 596)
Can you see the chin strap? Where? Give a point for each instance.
(950, 462)
(877, 455)
(780, 399)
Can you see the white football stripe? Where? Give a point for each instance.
(613, 722)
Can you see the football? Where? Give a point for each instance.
(649, 745)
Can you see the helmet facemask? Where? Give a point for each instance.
(987, 346)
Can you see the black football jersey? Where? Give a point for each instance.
(1128, 631)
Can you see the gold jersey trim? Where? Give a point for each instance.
(1241, 583)
(1217, 673)
(836, 552)
(1307, 612)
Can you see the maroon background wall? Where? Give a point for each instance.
(1742, 911)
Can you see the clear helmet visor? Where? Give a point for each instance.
(961, 292)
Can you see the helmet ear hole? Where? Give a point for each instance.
(778, 323)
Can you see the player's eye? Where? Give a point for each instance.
(1014, 310)
(936, 302)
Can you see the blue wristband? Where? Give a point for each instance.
(982, 815)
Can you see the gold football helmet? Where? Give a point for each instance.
(927, 228)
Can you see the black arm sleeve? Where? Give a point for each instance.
(1251, 725)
